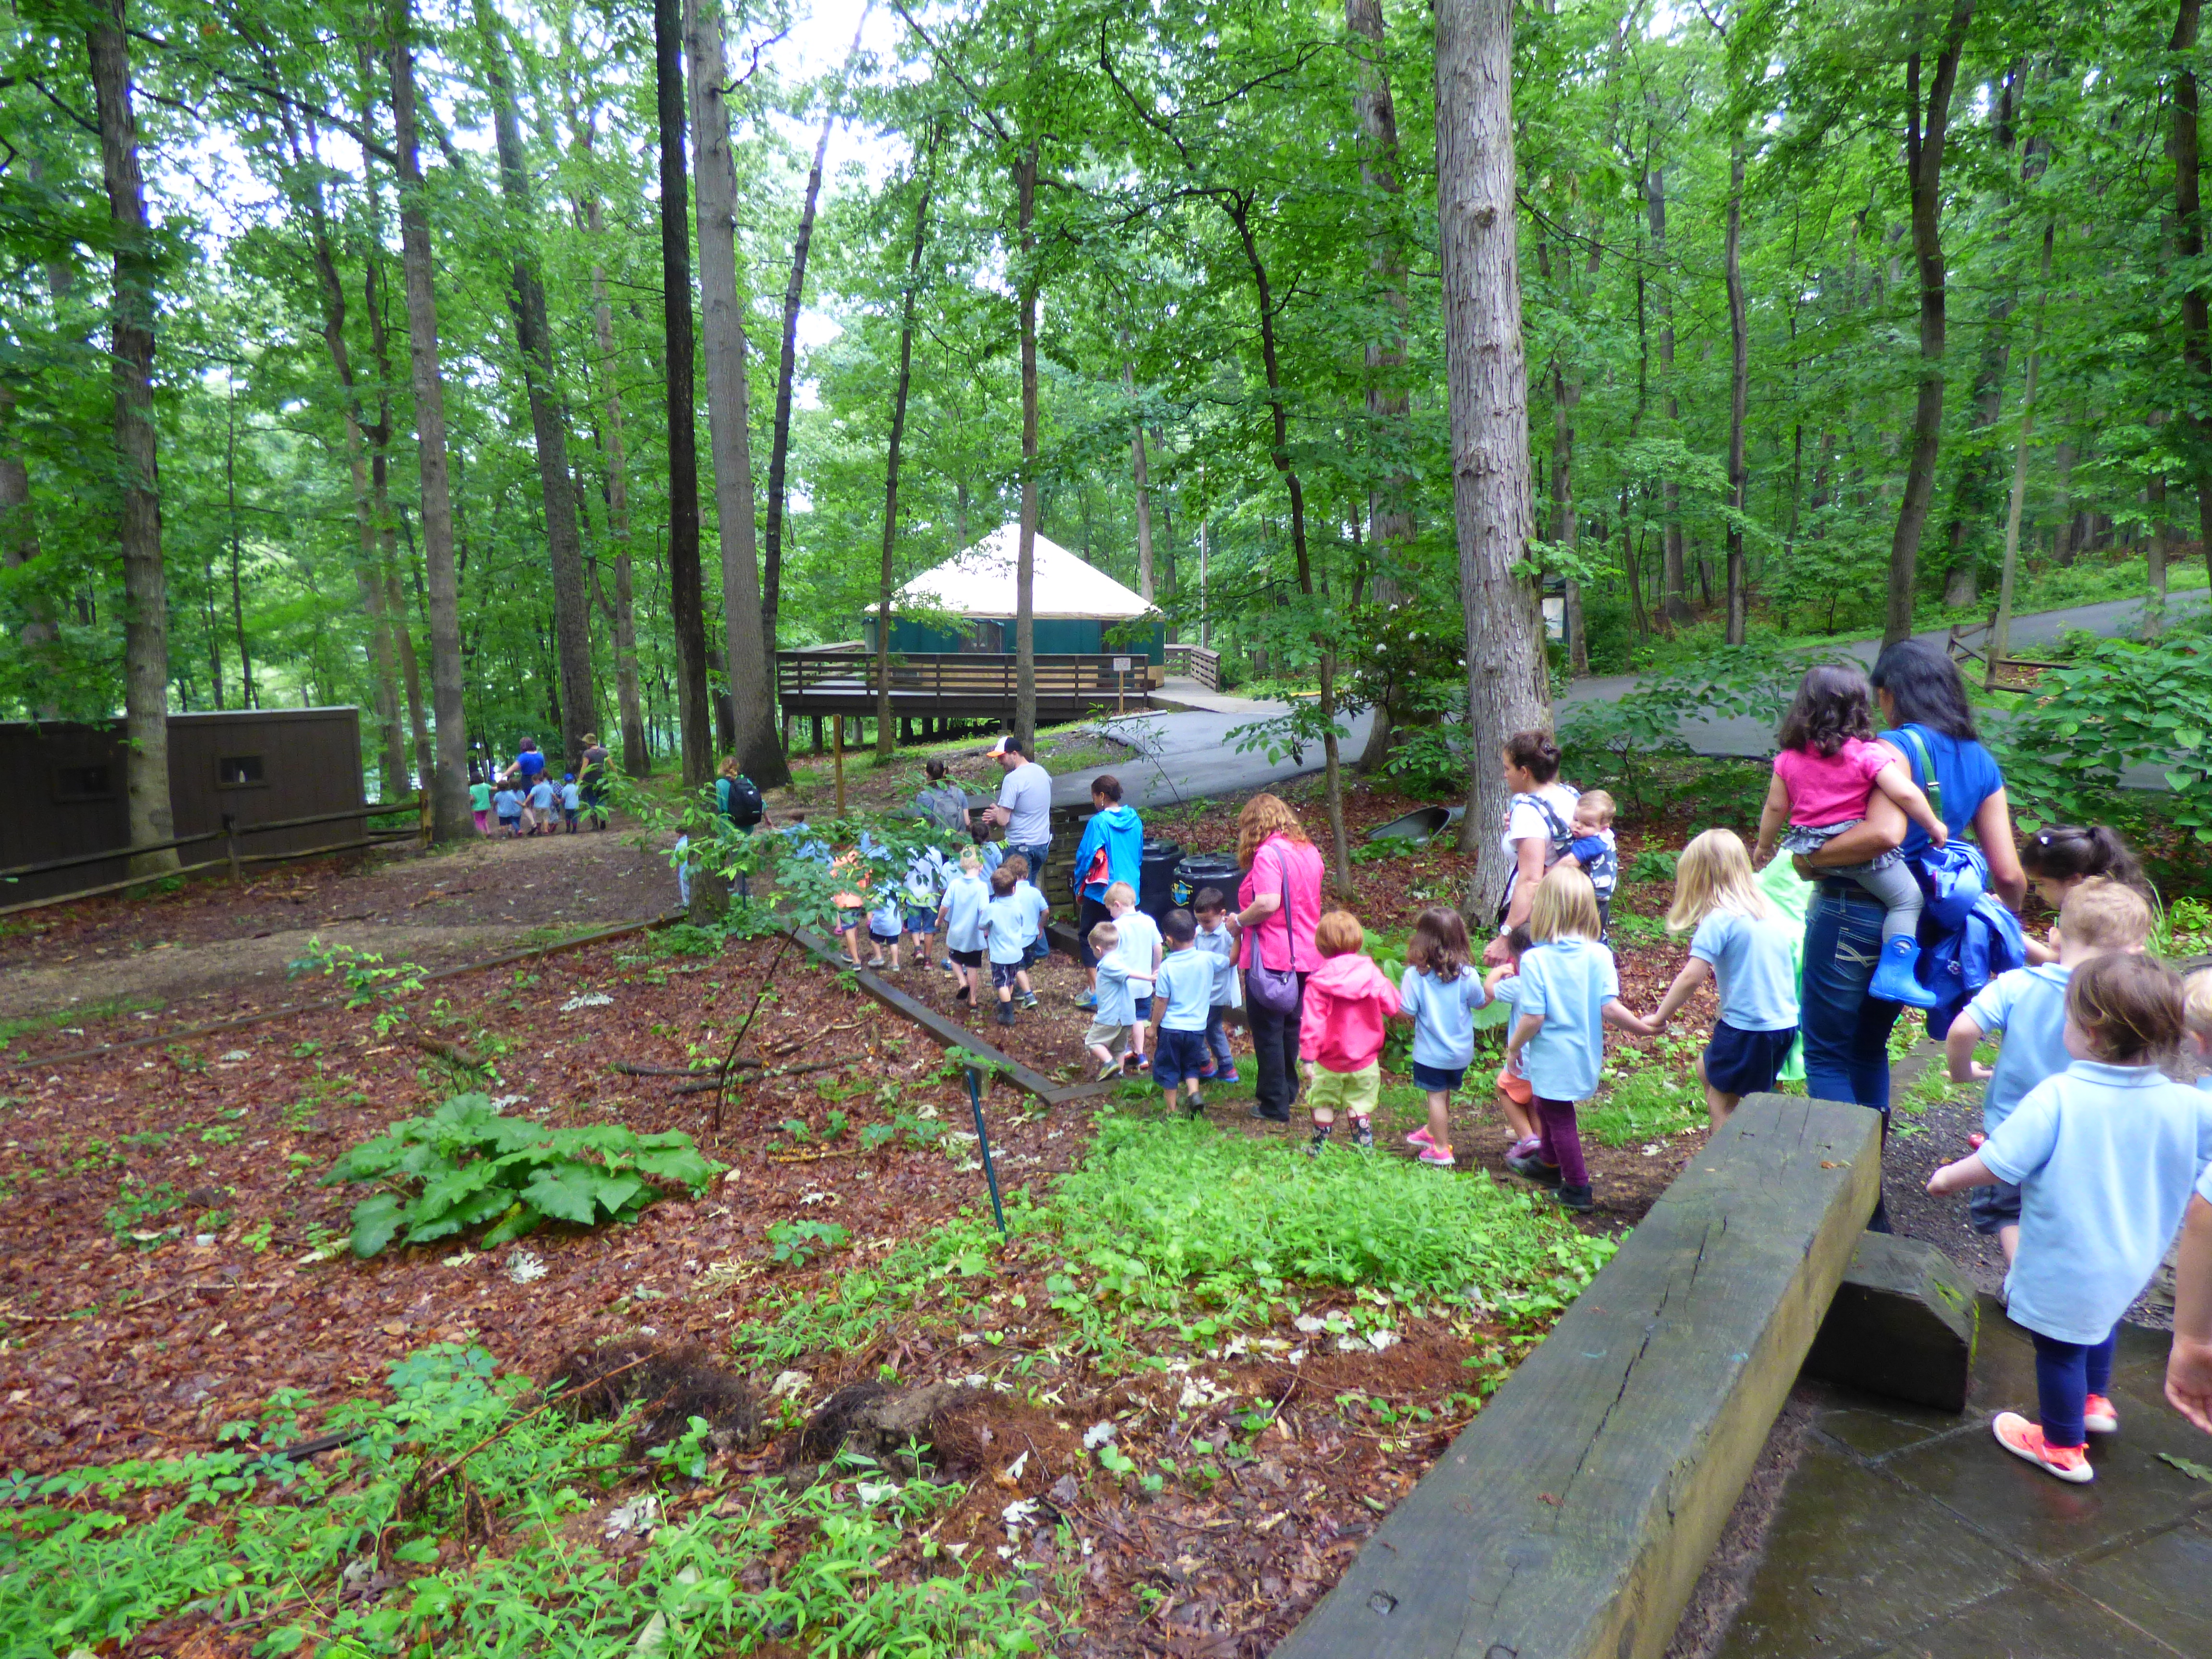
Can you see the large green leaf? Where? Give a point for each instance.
(567, 1192)
(613, 1192)
(518, 1220)
(685, 1164)
(376, 1219)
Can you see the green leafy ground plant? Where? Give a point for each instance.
(466, 1166)
(281, 1551)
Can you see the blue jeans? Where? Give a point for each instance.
(1846, 1032)
(1217, 1039)
(2066, 1375)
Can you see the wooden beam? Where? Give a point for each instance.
(1902, 1324)
(1572, 1518)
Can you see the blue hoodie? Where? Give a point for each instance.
(1121, 833)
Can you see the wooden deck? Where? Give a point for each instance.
(957, 685)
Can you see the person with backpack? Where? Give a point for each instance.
(738, 800)
(1539, 827)
(942, 803)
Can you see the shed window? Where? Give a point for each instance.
(83, 783)
(238, 772)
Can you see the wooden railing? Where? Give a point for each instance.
(1197, 663)
(1971, 644)
(950, 677)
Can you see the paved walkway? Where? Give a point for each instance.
(1907, 1531)
(1186, 754)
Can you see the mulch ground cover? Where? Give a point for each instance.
(169, 1261)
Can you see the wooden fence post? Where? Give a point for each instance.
(230, 843)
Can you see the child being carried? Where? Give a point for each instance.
(1827, 771)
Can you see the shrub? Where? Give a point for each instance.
(465, 1165)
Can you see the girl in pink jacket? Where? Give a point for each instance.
(1347, 998)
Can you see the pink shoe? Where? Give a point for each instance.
(1527, 1147)
(1421, 1137)
(1438, 1157)
(2024, 1439)
(2099, 1415)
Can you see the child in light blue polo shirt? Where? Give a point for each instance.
(1439, 991)
(1216, 941)
(2105, 1155)
(1182, 997)
(2028, 1006)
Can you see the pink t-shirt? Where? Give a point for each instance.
(1284, 940)
(1831, 788)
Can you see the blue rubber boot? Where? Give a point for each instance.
(1894, 980)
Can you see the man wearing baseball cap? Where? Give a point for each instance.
(1024, 805)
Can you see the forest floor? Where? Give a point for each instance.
(1192, 1397)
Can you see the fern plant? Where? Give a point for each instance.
(466, 1166)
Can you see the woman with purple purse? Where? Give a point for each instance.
(1279, 903)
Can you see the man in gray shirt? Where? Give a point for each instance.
(1025, 805)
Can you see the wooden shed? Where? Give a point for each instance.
(260, 765)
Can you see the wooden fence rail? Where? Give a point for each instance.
(953, 683)
(1197, 662)
(75, 860)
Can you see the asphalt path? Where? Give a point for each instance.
(1188, 756)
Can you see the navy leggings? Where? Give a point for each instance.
(2066, 1374)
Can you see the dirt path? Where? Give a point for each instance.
(211, 948)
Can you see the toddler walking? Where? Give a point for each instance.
(1216, 941)
(1006, 926)
(1738, 941)
(2097, 918)
(1440, 991)
(1112, 1012)
(1569, 989)
(1828, 769)
(960, 919)
(2105, 1155)
(1140, 952)
(1516, 1101)
(1347, 998)
(1182, 997)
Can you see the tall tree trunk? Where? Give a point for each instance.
(2188, 224)
(1487, 374)
(549, 425)
(1142, 475)
(622, 615)
(367, 579)
(1673, 567)
(750, 669)
(1566, 392)
(449, 782)
(1926, 128)
(1025, 171)
(2161, 531)
(1389, 503)
(1239, 209)
(779, 457)
(2062, 503)
(18, 526)
(2000, 640)
(888, 574)
(145, 586)
(1739, 389)
(686, 604)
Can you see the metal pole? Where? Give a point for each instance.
(984, 1141)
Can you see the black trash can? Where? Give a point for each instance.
(1155, 877)
(1203, 870)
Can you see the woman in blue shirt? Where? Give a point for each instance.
(1845, 1032)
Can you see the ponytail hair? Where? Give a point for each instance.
(2068, 853)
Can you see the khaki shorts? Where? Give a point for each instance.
(1353, 1093)
(1112, 1038)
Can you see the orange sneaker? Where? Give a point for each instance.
(2099, 1415)
(2024, 1439)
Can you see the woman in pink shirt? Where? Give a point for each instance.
(1829, 768)
(1279, 903)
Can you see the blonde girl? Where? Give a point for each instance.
(1569, 991)
(1737, 940)
(1439, 991)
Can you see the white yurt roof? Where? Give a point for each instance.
(980, 583)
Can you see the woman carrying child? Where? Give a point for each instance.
(1829, 768)
(1439, 991)
(2105, 1155)
(1846, 1030)
(1539, 826)
(1741, 944)
(1569, 990)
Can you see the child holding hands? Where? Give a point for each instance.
(1347, 998)
(1516, 1099)
(1742, 945)
(1828, 769)
(2105, 1155)
(1440, 991)
(1569, 990)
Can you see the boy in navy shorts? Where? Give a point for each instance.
(1182, 997)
